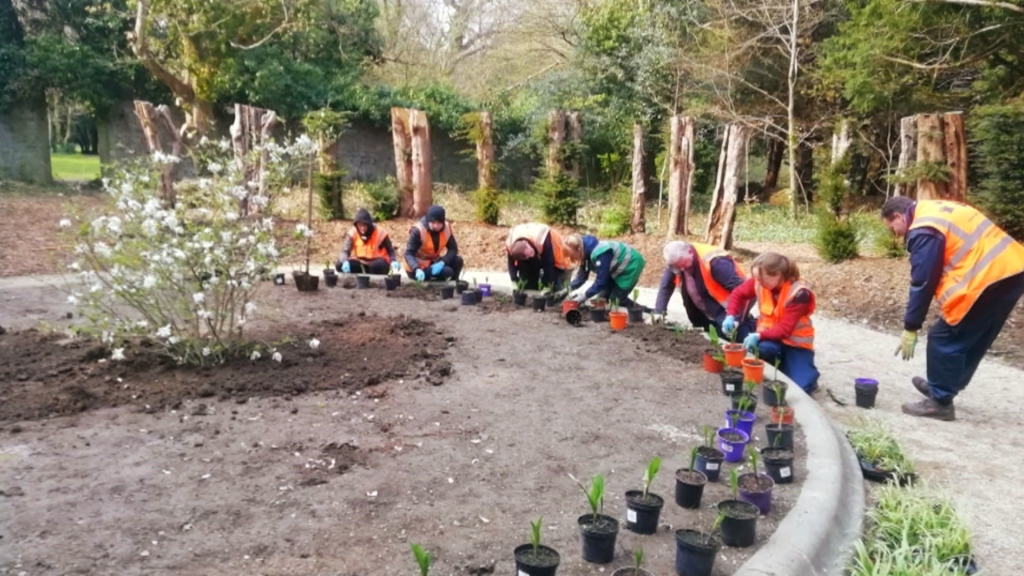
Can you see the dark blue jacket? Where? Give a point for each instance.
(415, 242)
(602, 268)
(723, 270)
(927, 248)
(547, 263)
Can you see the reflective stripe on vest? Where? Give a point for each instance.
(536, 234)
(705, 254)
(771, 313)
(978, 254)
(621, 255)
(369, 249)
(428, 252)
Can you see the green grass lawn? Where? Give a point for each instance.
(75, 166)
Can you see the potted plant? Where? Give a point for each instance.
(519, 294)
(782, 414)
(732, 381)
(709, 458)
(469, 298)
(696, 551)
(881, 458)
(636, 569)
(476, 291)
(739, 518)
(732, 442)
(448, 291)
(775, 393)
(753, 368)
(690, 483)
(755, 487)
(865, 390)
(305, 281)
(330, 276)
(362, 279)
(616, 317)
(636, 312)
(778, 462)
(484, 288)
(779, 435)
(538, 302)
(642, 506)
(740, 420)
(714, 361)
(597, 530)
(279, 279)
(747, 400)
(734, 353)
(534, 559)
(393, 280)
(423, 558)
(598, 310)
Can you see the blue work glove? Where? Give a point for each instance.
(420, 276)
(729, 325)
(436, 268)
(750, 342)
(346, 267)
(396, 267)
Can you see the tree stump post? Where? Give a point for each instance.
(776, 152)
(680, 180)
(556, 137)
(159, 127)
(723, 202)
(486, 177)
(575, 126)
(401, 137)
(637, 221)
(908, 155)
(252, 128)
(421, 179)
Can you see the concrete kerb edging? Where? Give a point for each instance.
(817, 537)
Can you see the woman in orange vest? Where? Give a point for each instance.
(784, 329)
(976, 272)
(704, 275)
(367, 248)
(432, 253)
(537, 255)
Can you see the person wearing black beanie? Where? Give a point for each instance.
(432, 252)
(367, 248)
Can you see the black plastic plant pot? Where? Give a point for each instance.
(461, 286)
(574, 317)
(392, 282)
(695, 553)
(447, 292)
(636, 315)
(779, 435)
(332, 280)
(770, 397)
(519, 298)
(739, 525)
(598, 314)
(778, 463)
(479, 295)
(306, 282)
(542, 562)
(539, 303)
(469, 298)
(751, 402)
(865, 395)
(279, 279)
(732, 381)
(689, 487)
(876, 474)
(598, 537)
(550, 301)
(362, 282)
(709, 462)
(642, 512)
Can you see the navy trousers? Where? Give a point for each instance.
(447, 273)
(954, 352)
(797, 363)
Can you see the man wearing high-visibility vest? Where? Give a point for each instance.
(975, 271)
(785, 332)
(431, 252)
(367, 248)
(536, 255)
(705, 275)
(616, 266)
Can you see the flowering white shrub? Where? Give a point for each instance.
(182, 276)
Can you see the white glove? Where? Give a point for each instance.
(579, 296)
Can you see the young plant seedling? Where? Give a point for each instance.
(734, 484)
(734, 418)
(535, 534)
(614, 304)
(715, 340)
(756, 352)
(714, 527)
(744, 404)
(755, 461)
(594, 494)
(521, 285)
(709, 436)
(652, 470)
(777, 362)
(693, 457)
(422, 557)
(638, 559)
(636, 294)
(780, 392)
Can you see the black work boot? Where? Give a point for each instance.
(930, 408)
(922, 386)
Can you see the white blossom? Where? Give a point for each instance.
(215, 167)
(149, 281)
(276, 357)
(314, 343)
(303, 231)
(173, 340)
(198, 297)
(255, 355)
(164, 332)
(117, 354)
(73, 299)
(206, 351)
(64, 223)
(250, 308)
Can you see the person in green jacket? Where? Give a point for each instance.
(616, 266)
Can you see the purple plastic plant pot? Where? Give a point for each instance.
(485, 289)
(763, 499)
(732, 448)
(865, 382)
(744, 421)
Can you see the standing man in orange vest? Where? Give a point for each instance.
(975, 271)
(705, 275)
(367, 248)
(784, 329)
(432, 253)
(537, 255)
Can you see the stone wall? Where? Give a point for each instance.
(25, 143)
(120, 134)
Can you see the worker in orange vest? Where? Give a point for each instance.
(784, 329)
(704, 275)
(432, 253)
(367, 248)
(536, 255)
(976, 272)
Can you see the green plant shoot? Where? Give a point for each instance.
(715, 340)
(535, 533)
(638, 559)
(652, 470)
(422, 557)
(520, 285)
(734, 483)
(595, 494)
(755, 460)
(693, 457)
(744, 404)
(709, 436)
(733, 419)
(636, 294)
(777, 362)
(780, 392)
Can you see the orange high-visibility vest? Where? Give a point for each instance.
(705, 254)
(428, 252)
(536, 234)
(772, 310)
(370, 248)
(978, 254)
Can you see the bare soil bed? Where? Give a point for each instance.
(413, 421)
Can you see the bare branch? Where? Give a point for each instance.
(983, 3)
(284, 24)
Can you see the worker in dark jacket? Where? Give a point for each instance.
(616, 266)
(705, 275)
(975, 271)
(536, 255)
(367, 248)
(432, 253)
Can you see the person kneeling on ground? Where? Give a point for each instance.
(705, 276)
(432, 253)
(537, 255)
(784, 329)
(367, 248)
(617, 268)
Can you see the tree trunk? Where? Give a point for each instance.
(637, 222)
(556, 136)
(841, 141)
(680, 180)
(575, 136)
(908, 155)
(941, 142)
(791, 135)
(805, 172)
(776, 151)
(485, 154)
(158, 127)
(402, 139)
(252, 128)
(421, 182)
(723, 201)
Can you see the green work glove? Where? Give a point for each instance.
(907, 343)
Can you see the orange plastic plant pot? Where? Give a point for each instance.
(734, 354)
(617, 319)
(569, 305)
(782, 415)
(753, 370)
(712, 364)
